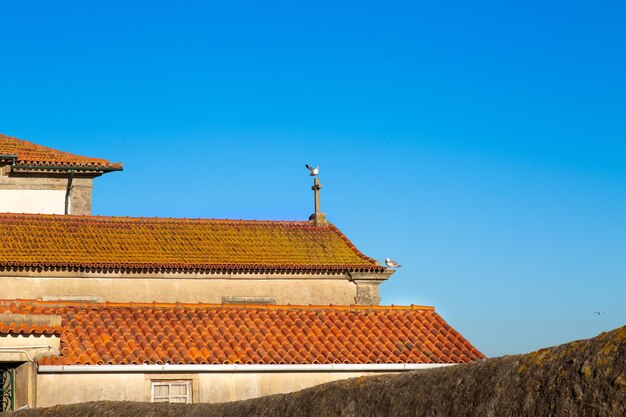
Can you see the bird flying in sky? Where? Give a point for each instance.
(314, 171)
(391, 263)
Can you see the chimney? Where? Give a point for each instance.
(318, 218)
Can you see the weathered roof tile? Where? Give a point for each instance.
(25, 154)
(11, 328)
(124, 243)
(120, 334)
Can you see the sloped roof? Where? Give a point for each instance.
(120, 334)
(29, 329)
(140, 244)
(26, 155)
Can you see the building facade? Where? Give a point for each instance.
(184, 310)
(36, 179)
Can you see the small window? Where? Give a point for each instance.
(171, 392)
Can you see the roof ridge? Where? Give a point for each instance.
(154, 304)
(163, 219)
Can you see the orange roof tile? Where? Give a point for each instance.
(122, 243)
(29, 329)
(123, 334)
(26, 155)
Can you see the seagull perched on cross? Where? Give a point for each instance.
(314, 171)
(391, 263)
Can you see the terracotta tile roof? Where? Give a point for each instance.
(217, 334)
(21, 153)
(29, 329)
(122, 243)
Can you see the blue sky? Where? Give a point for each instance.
(481, 144)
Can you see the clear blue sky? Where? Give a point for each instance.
(481, 144)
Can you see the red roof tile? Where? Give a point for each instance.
(29, 329)
(122, 243)
(27, 155)
(123, 334)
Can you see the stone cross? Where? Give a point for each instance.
(316, 192)
(317, 218)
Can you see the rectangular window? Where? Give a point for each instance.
(171, 392)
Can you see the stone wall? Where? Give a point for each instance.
(586, 378)
(302, 289)
(289, 290)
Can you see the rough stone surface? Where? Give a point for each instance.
(367, 294)
(80, 197)
(367, 286)
(583, 378)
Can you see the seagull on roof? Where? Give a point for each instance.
(391, 263)
(314, 171)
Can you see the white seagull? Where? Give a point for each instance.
(314, 171)
(391, 263)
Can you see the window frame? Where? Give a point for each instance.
(169, 383)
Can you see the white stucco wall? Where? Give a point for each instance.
(32, 201)
(69, 388)
(53, 389)
(216, 388)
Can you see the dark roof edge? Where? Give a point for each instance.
(203, 269)
(69, 168)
